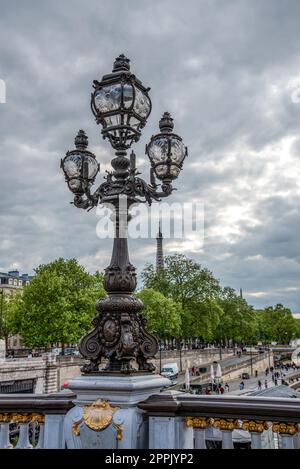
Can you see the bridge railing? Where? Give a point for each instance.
(176, 421)
(183, 421)
(33, 420)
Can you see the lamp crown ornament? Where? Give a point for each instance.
(121, 64)
(81, 140)
(121, 105)
(166, 123)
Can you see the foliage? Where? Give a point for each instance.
(193, 288)
(9, 306)
(239, 322)
(277, 324)
(163, 314)
(213, 313)
(182, 279)
(59, 303)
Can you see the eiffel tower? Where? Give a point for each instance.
(159, 250)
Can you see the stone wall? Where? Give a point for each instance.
(21, 369)
(47, 371)
(259, 363)
(51, 371)
(67, 368)
(191, 358)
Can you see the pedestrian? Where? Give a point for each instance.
(227, 387)
(273, 378)
(266, 383)
(242, 385)
(259, 384)
(256, 373)
(276, 382)
(222, 390)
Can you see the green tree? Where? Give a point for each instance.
(194, 288)
(239, 322)
(59, 303)
(163, 314)
(182, 279)
(9, 322)
(277, 324)
(202, 318)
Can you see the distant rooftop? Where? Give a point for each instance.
(13, 278)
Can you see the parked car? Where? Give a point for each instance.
(245, 376)
(170, 370)
(70, 351)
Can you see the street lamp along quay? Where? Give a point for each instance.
(121, 104)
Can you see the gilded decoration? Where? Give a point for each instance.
(255, 426)
(38, 418)
(97, 417)
(198, 422)
(21, 418)
(5, 418)
(286, 428)
(226, 424)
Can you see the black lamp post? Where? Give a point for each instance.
(121, 104)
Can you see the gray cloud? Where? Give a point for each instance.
(225, 70)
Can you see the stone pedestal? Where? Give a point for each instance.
(106, 415)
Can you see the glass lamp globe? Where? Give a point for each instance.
(80, 166)
(120, 103)
(166, 151)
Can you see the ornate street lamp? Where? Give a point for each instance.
(80, 166)
(166, 151)
(121, 104)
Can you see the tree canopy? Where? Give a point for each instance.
(183, 300)
(9, 323)
(59, 303)
(163, 314)
(277, 324)
(195, 291)
(211, 312)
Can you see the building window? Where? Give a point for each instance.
(16, 282)
(20, 283)
(10, 281)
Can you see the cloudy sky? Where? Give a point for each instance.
(229, 72)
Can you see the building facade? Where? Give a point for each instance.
(12, 281)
